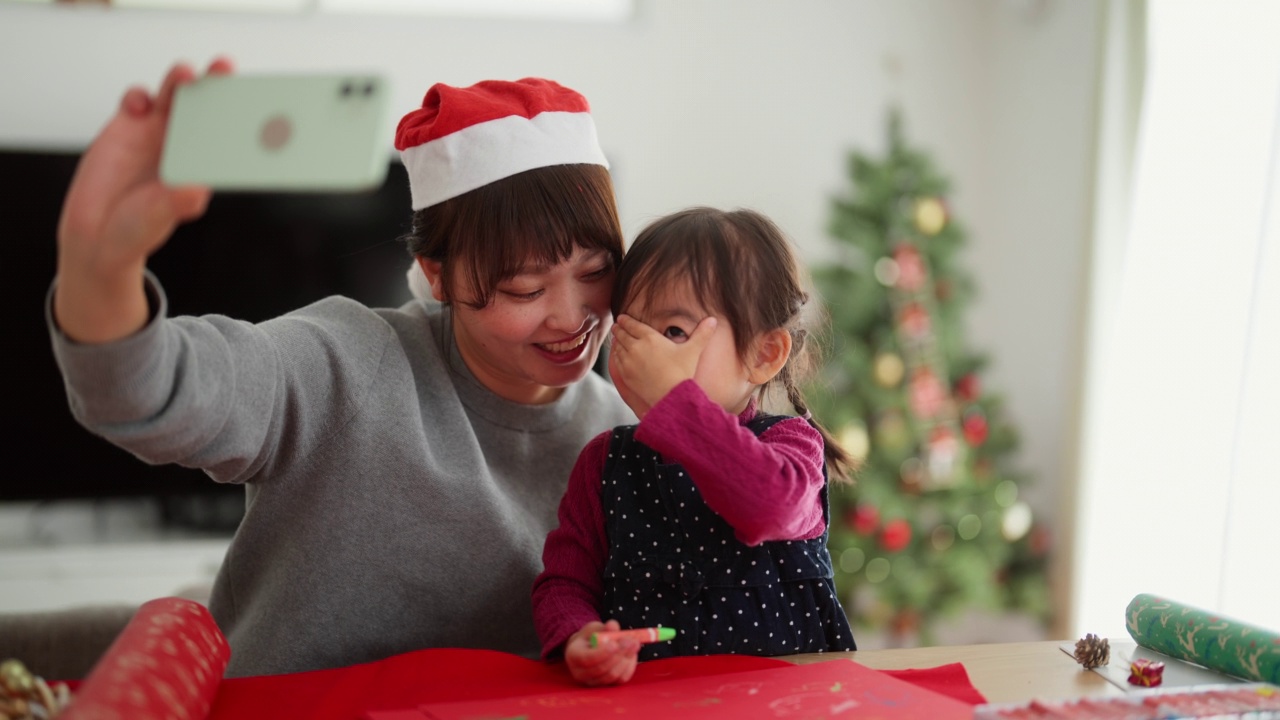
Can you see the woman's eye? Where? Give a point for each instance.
(600, 273)
(674, 333)
(516, 295)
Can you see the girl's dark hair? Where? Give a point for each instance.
(537, 216)
(739, 264)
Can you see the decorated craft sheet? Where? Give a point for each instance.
(833, 689)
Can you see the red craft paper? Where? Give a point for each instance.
(436, 675)
(951, 680)
(166, 663)
(823, 689)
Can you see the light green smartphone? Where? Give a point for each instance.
(316, 132)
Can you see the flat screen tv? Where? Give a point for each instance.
(250, 257)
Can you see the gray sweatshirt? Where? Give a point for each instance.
(393, 502)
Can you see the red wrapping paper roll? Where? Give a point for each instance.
(166, 663)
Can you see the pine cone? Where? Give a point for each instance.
(1092, 651)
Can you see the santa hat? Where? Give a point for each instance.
(464, 138)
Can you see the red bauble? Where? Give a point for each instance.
(927, 393)
(968, 388)
(914, 320)
(911, 271)
(975, 428)
(864, 519)
(895, 535)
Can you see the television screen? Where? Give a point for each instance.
(250, 257)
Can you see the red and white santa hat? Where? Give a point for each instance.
(463, 138)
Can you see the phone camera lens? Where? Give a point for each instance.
(368, 89)
(347, 89)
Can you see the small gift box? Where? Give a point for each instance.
(1145, 672)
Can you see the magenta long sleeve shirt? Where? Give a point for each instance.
(766, 487)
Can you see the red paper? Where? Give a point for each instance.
(951, 680)
(817, 690)
(436, 675)
(166, 663)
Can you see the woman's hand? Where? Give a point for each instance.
(610, 663)
(117, 212)
(645, 366)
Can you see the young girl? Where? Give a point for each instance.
(710, 516)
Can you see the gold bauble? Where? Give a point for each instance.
(16, 678)
(853, 438)
(889, 369)
(930, 215)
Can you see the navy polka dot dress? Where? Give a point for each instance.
(674, 562)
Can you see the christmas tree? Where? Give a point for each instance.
(933, 524)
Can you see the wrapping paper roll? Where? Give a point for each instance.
(1208, 639)
(166, 663)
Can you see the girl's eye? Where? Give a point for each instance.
(675, 333)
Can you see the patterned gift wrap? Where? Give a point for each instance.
(1216, 642)
(167, 663)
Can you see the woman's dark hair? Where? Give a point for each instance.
(538, 216)
(739, 264)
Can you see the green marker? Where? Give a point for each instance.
(643, 635)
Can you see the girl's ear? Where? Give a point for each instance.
(434, 272)
(770, 353)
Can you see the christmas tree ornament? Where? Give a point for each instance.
(944, 452)
(975, 428)
(15, 678)
(853, 438)
(930, 216)
(889, 369)
(1016, 521)
(25, 696)
(927, 394)
(865, 519)
(895, 535)
(912, 274)
(968, 388)
(914, 321)
(886, 271)
(1092, 651)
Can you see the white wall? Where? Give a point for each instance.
(722, 102)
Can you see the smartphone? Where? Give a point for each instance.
(315, 132)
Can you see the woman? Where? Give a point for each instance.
(402, 466)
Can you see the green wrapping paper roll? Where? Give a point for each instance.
(1216, 642)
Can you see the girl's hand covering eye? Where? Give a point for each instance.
(646, 365)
